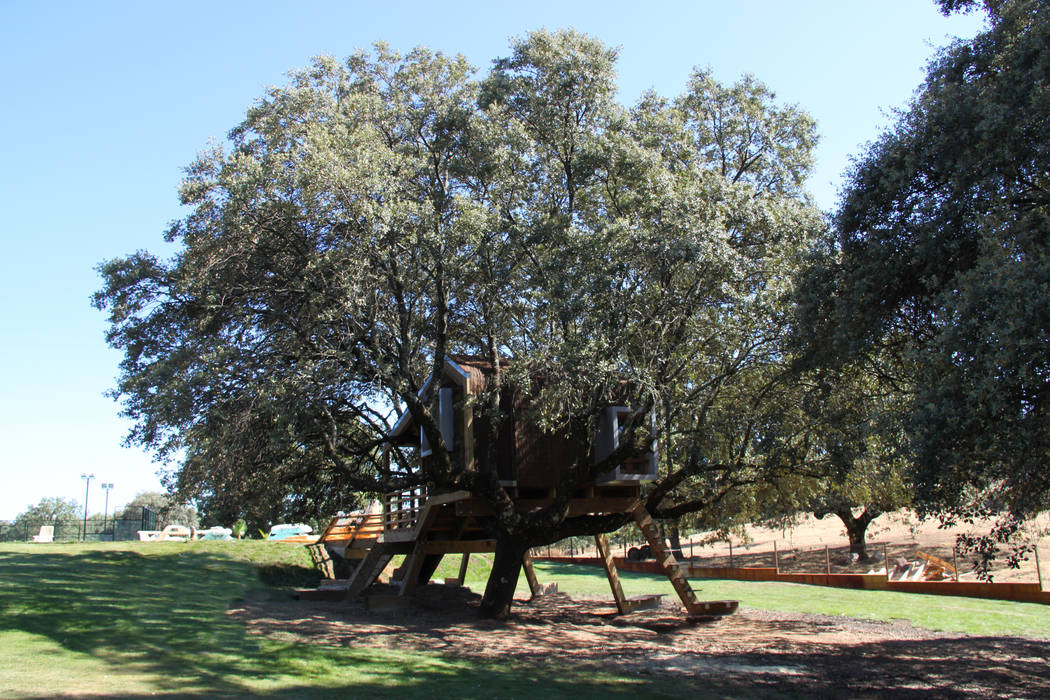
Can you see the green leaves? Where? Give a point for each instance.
(376, 214)
(940, 265)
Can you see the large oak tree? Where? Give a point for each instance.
(938, 270)
(377, 214)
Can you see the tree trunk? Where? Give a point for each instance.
(503, 579)
(856, 541)
(856, 527)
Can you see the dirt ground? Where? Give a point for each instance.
(768, 653)
(801, 548)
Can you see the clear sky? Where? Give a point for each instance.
(105, 102)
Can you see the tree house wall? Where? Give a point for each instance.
(523, 456)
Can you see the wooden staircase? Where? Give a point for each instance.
(421, 532)
(349, 536)
(694, 608)
(379, 555)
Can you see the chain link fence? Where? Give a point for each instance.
(74, 530)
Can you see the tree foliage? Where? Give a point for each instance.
(377, 214)
(50, 510)
(939, 266)
(64, 514)
(168, 509)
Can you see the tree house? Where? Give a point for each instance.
(528, 462)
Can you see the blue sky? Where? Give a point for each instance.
(106, 102)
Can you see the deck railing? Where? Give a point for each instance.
(401, 509)
(369, 526)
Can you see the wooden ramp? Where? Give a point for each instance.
(694, 608)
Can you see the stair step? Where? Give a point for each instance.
(642, 602)
(712, 608)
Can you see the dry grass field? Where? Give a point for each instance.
(897, 535)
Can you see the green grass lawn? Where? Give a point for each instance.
(136, 619)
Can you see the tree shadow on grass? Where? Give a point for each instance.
(161, 617)
(289, 575)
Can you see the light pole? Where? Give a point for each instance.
(87, 485)
(105, 510)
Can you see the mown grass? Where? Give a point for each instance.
(138, 619)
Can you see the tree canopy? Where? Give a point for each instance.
(938, 266)
(377, 214)
(64, 514)
(168, 510)
(51, 509)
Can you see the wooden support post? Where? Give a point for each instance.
(776, 556)
(1038, 569)
(369, 569)
(414, 562)
(731, 554)
(530, 574)
(955, 561)
(413, 565)
(886, 561)
(827, 560)
(463, 568)
(690, 551)
(602, 543)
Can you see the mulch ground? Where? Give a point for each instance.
(770, 653)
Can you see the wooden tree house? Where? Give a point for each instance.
(425, 527)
